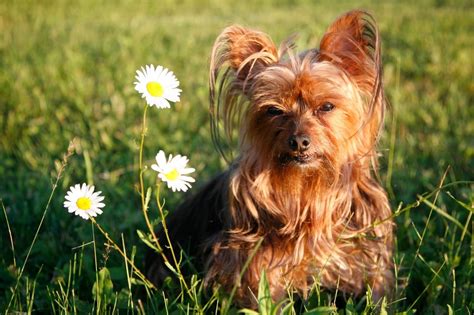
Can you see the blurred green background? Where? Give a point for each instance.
(67, 70)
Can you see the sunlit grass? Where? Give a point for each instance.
(67, 71)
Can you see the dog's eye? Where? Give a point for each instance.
(274, 111)
(326, 107)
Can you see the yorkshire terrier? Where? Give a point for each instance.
(304, 184)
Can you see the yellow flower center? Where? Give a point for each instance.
(172, 175)
(154, 88)
(83, 203)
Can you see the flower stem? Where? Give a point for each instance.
(142, 185)
(117, 248)
(165, 230)
(160, 207)
(97, 310)
(140, 161)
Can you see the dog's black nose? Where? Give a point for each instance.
(299, 143)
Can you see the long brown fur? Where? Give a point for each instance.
(321, 214)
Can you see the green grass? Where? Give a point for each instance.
(67, 71)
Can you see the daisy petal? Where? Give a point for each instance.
(161, 159)
(187, 179)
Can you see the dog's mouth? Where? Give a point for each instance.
(298, 159)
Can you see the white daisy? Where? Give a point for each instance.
(157, 85)
(83, 201)
(173, 171)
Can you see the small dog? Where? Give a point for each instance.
(303, 184)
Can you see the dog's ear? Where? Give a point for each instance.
(243, 50)
(238, 55)
(352, 42)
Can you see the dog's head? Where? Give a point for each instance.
(319, 109)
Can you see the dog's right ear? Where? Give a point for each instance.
(243, 50)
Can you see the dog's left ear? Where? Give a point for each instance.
(352, 42)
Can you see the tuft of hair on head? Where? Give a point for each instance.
(239, 54)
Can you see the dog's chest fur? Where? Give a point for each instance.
(309, 236)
